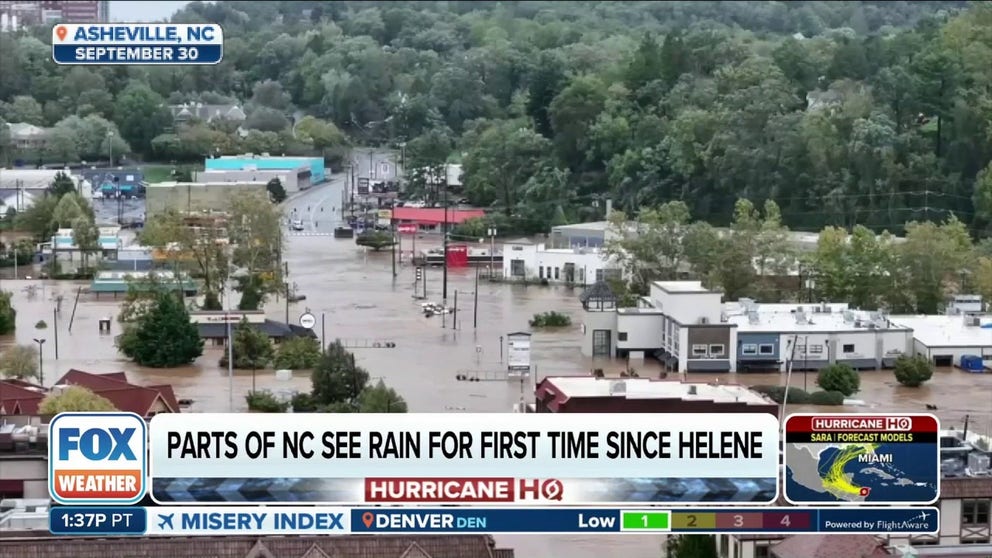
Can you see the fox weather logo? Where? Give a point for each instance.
(97, 458)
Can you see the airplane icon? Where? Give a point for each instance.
(924, 515)
(165, 520)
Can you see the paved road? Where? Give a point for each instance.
(318, 207)
(381, 163)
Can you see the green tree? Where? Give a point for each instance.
(162, 337)
(298, 353)
(839, 377)
(321, 134)
(86, 237)
(141, 114)
(8, 315)
(690, 546)
(572, 114)
(19, 361)
(24, 109)
(252, 349)
(62, 185)
(381, 399)
(651, 247)
(913, 371)
(74, 399)
(502, 159)
(276, 191)
(336, 379)
(168, 232)
(376, 240)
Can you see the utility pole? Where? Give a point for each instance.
(475, 302)
(492, 252)
(323, 341)
(393, 232)
(444, 281)
(55, 315)
(454, 312)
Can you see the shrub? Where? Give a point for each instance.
(264, 402)
(41, 325)
(303, 403)
(839, 377)
(551, 319)
(826, 398)
(298, 353)
(8, 316)
(913, 371)
(777, 394)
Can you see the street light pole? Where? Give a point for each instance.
(492, 252)
(110, 146)
(41, 362)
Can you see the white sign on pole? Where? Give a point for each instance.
(518, 351)
(308, 320)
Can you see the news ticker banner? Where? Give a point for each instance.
(276, 520)
(862, 459)
(535, 459)
(137, 43)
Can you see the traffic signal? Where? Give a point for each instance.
(420, 273)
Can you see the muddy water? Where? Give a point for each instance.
(360, 301)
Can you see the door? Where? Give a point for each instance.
(569, 273)
(601, 342)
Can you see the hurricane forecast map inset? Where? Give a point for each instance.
(853, 459)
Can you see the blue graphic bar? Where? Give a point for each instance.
(103, 521)
(235, 520)
(138, 54)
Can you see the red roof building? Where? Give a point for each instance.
(143, 401)
(434, 215)
(18, 397)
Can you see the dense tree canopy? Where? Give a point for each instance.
(843, 113)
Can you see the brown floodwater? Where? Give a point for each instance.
(361, 302)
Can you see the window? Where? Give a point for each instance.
(716, 350)
(540, 272)
(622, 336)
(816, 349)
(750, 349)
(762, 551)
(556, 274)
(767, 349)
(975, 512)
(699, 350)
(849, 348)
(599, 275)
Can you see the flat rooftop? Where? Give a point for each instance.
(822, 322)
(591, 226)
(646, 388)
(682, 287)
(948, 331)
(174, 184)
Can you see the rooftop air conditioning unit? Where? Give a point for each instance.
(704, 320)
(692, 390)
(978, 463)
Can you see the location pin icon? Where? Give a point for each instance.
(367, 519)
(60, 32)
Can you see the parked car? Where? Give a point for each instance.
(297, 224)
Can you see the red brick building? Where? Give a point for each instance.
(584, 394)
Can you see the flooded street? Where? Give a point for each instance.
(354, 294)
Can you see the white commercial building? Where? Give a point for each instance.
(687, 327)
(525, 260)
(292, 180)
(945, 339)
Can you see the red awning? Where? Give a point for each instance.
(435, 215)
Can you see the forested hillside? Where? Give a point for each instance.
(875, 113)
